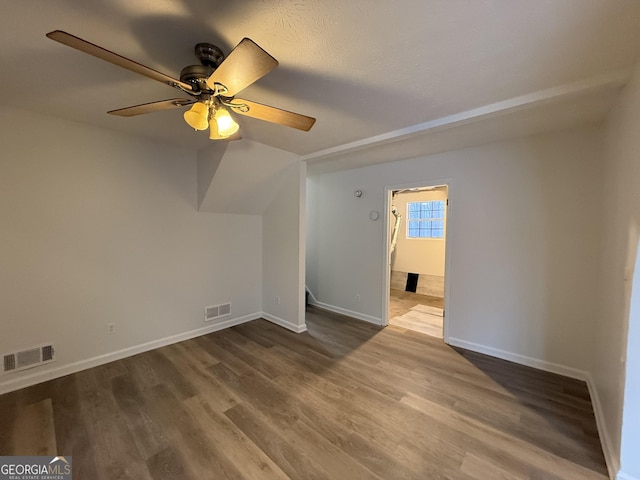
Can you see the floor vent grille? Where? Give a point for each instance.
(24, 359)
(216, 311)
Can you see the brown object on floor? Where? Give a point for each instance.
(345, 400)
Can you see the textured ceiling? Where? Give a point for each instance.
(362, 67)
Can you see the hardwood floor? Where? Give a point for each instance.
(346, 400)
(401, 302)
(407, 310)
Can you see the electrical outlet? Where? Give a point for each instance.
(358, 297)
(111, 328)
(278, 300)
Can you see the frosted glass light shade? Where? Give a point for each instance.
(213, 131)
(197, 116)
(226, 125)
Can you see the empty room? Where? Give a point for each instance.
(328, 240)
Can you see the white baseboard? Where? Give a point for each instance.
(521, 359)
(613, 464)
(349, 313)
(312, 299)
(12, 384)
(284, 323)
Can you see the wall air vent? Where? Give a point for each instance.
(210, 313)
(33, 357)
(47, 353)
(216, 311)
(9, 362)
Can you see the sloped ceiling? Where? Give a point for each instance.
(244, 178)
(362, 68)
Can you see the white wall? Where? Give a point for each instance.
(247, 177)
(99, 227)
(243, 178)
(209, 160)
(312, 222)
(283, 236)
(417, 255)
(523, 242)
(620, 234)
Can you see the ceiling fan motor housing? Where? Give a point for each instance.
(196, 75)
(210, 58)
(209, 54)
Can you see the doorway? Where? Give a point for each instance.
(416, 258)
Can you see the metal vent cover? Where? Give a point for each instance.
(9, 362)
(47, 353)
(224, 309)
(26, 358)
(210, 313)
(29, 358)
(216, 311)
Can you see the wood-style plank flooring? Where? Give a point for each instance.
(401, 302)
(405, 312)
(346, 400)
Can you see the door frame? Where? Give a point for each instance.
(386, 267)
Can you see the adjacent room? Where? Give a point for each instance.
(305, 239)
(417, 259)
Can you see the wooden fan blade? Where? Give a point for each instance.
(107, 55)
(152, 107)
(272, 114)
(244, 65)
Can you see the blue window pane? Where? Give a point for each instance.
(426, 219)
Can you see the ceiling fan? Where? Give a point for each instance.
(212, 86)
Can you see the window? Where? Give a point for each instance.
(426, 219)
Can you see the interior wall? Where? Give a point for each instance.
(283, 246)
(312, 233)
(244, 177)
(209, 160)
(522, 244)
(99, 227)
(620, 235)
(421, 255)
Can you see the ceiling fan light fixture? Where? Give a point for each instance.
(225, 123)
(213, 132)
(197, 116)
(212, 85)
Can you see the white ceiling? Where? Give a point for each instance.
(363, 68)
